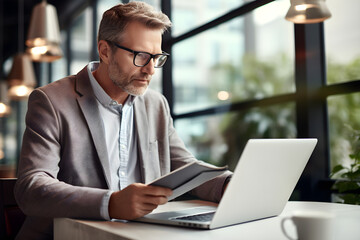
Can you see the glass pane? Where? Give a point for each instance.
(12, 129)
(219, 139)
(8, 145)
(245, 58)
(342, 40)
(189, 14)
(43, 78)
(344, 114)
(157, 77)
(58, 69)
(81, 41)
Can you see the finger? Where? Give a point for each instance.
(158, 191)
(144, 212)
(158, 200)
(146, 198)
(152, 190)
(148, 207)
(140, 209)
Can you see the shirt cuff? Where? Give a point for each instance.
(227, 180)
(104, 208)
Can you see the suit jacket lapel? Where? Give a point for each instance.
(142, 131)
(88, 105)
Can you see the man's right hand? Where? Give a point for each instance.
(137, 200)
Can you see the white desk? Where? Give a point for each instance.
(347, 226)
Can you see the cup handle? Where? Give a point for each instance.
(283, 227)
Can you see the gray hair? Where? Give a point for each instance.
(115, 20)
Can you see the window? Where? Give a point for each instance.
(188, 14)
(344, 115)
(244, 67)
(244, 58)
(342, 41)
(81, 41)
(343, 66)
(220, 139)
(58, 67)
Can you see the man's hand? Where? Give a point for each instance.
(137, 200)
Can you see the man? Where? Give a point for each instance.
(93, 140)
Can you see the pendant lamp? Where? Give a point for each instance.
(44, 36)
(308, 11)
(21, 79)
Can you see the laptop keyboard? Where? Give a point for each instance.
(204, 217)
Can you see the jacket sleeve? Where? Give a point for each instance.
(38, 191)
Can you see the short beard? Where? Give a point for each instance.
(130, 89)
(122, 80)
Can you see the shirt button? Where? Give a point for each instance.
(123, 174)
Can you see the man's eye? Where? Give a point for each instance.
(143, 56)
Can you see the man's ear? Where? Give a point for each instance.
(104, 50)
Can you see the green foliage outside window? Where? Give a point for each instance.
(256, 79)
(348, 176)
(344, 122)
(343, 110)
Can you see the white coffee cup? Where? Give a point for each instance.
(310, 225)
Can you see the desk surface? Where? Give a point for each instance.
(347, 225)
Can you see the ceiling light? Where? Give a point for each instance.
(44, 36)
(308, 11)
(21, 79)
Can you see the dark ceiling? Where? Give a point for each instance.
(9, 20)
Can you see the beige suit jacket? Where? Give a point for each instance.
(64, 166)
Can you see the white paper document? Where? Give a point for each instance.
(188, 177)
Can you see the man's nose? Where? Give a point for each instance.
(149, 68)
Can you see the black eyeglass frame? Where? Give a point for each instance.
(152, 56)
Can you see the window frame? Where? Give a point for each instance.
(310, 95)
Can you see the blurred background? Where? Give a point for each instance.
(238, 70)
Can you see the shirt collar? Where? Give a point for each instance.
(99, 92)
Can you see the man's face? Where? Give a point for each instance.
(124, 74)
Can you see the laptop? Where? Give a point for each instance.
(263, 180)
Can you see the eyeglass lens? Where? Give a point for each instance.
(141, 59)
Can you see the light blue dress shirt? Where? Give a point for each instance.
(121, 143)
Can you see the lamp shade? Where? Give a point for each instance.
(43, 39)
(308, 11)
(21, 79)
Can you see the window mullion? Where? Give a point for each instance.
(167, 79)
(311, 110)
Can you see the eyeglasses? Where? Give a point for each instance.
(141, 59)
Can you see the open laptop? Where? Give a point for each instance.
(263, 180)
